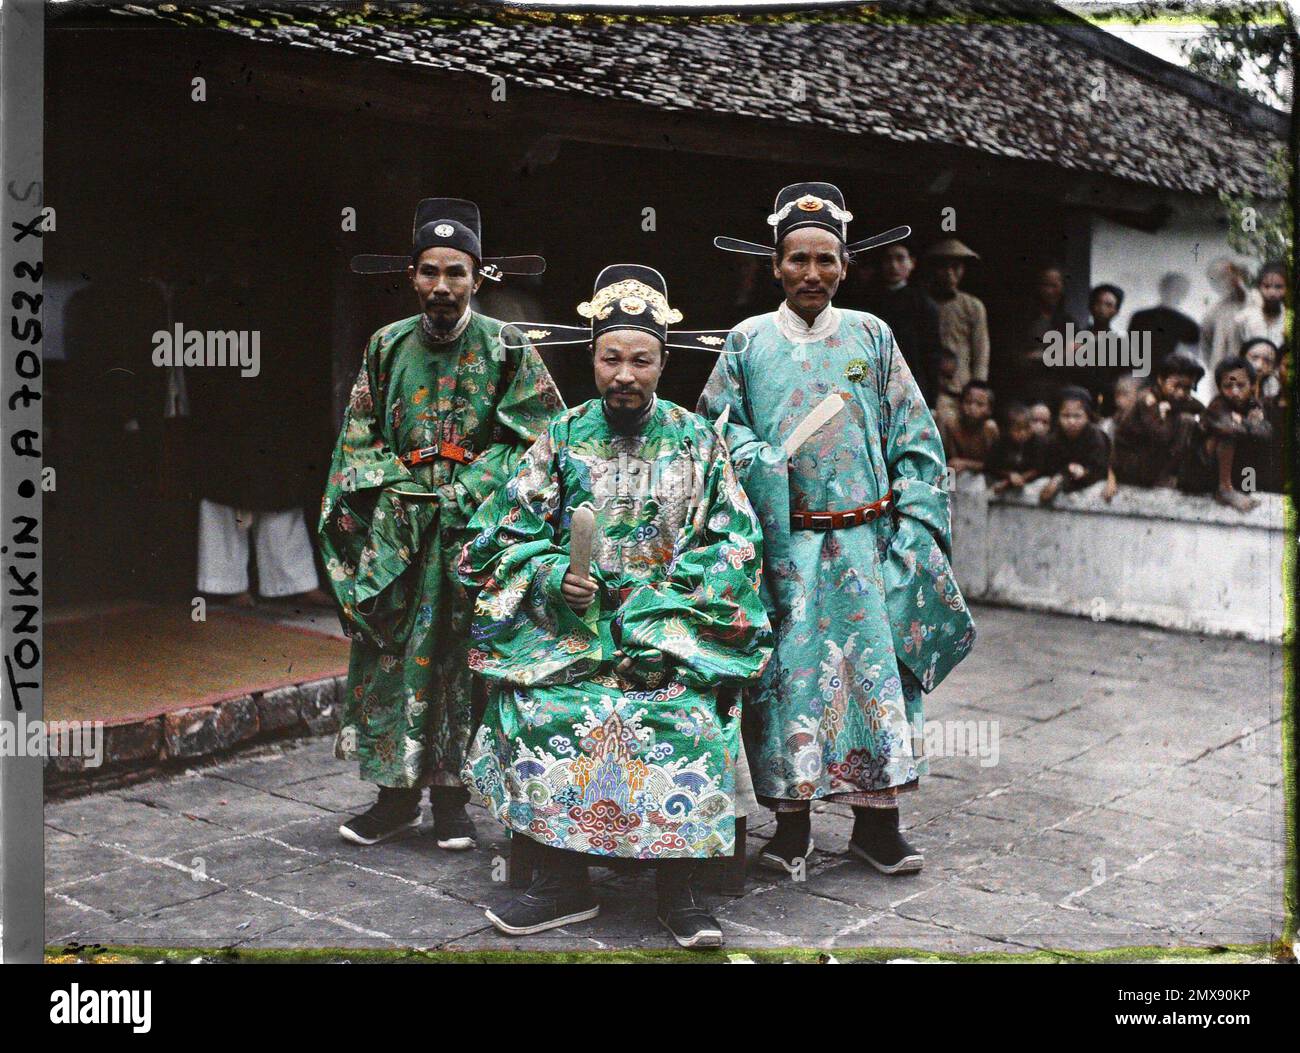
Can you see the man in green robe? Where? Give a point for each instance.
(612, 725)
(440, 413)
(838, 452)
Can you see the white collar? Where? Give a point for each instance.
(796, 330)
(452, 335)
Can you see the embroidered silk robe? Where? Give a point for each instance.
(390, 535)
(573, 752)
(860, 614)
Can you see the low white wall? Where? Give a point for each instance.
(1152, 556)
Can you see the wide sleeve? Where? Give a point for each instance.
(524, 631)
(706, 616)
(931, 625)
(370, 529)
(725, 390)
(762, 468)
(528, 403)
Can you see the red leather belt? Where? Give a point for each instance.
(840, 520)
(425, 454)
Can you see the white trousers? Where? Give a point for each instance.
(284, 559)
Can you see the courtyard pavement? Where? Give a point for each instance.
(1134, 799)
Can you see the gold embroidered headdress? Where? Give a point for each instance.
(627, 296)
(630, 297)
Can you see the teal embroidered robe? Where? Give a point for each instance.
(860, 614)
(572, 752)
(390, 535)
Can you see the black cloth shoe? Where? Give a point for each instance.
(791, 845)
(680, 909)
(561, 895)
(452, 826)
(877, 839)
(396, 812)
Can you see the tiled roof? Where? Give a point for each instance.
(1017, 89)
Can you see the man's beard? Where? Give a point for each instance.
(442, 323)
(626, 419)
(442, 328)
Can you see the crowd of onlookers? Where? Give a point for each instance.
(1082, 424)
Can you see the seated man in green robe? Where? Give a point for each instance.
(612, 724)
(439, 416)
(837, 450)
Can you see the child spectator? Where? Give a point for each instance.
(1233, 437)
(1122, 398)
(947, 403)
(1016, 456)
(1040, 419)
(1272, 476)
(1261, 353)
(1265, 313)
(963, 321)
(1104, 303)
(1078, 453)
(969, 437)
(1153, 436)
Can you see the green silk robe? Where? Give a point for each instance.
(862, 614)
(572, 753)
(390, 535)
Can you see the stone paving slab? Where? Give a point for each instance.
(73, 858)
(1065, 929)
(123, 894)
(229, 918)
(240, 860)
(1136, 800)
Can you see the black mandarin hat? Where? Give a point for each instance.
(452, 222)
(625, 296)
(811, 205)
